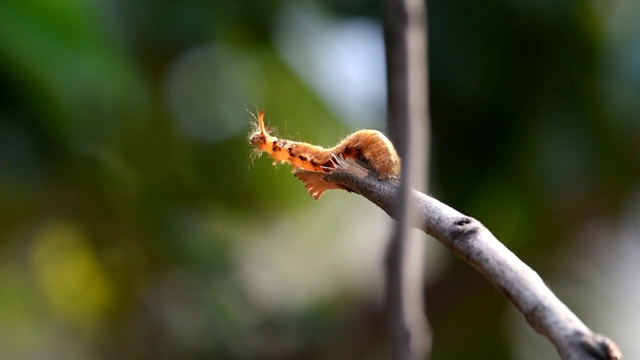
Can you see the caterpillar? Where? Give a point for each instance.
(371, 147)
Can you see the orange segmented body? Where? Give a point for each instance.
(370, 146)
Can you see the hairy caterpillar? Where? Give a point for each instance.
(371, 147)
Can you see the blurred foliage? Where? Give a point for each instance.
(127, 191)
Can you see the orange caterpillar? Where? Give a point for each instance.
(370, 146)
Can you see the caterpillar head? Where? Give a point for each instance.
(259, 136)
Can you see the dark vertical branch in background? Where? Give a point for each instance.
(406, 55)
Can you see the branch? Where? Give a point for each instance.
(408, 125)
(472, 242)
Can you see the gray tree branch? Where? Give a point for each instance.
(408, 120)
(475, 244)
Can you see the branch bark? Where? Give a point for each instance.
(408, 120)
(475, 244)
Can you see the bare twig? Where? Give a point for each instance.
(406, 48)
(476, 245)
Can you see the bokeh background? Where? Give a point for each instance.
(135, 225)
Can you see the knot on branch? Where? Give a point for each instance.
(463, 229)
(463, 221)
(600, 347)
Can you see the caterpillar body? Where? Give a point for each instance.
(369, 146)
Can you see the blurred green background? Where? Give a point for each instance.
(134, 224)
